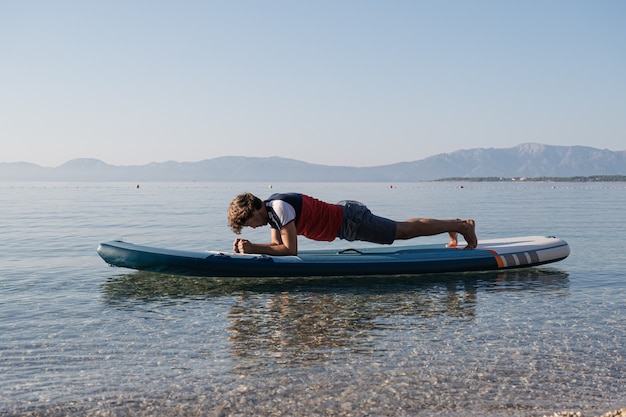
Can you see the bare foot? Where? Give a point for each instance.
(453, 240)
(469, 233)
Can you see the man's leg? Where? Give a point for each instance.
(427, 227)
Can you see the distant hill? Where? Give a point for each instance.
(525, 160)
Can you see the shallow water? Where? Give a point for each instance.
(79, 337)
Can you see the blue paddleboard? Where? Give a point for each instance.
(491, 254)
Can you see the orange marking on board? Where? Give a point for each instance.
(499, 259)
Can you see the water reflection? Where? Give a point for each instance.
(290, 322)
(150, 286)
(291, 328)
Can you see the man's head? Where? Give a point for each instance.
(241, 209)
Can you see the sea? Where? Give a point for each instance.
(81, 338)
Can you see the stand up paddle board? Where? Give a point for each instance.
(492, 254)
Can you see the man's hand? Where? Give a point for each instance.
(240, 245)
(284, 242)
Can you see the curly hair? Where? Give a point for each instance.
(241, 209)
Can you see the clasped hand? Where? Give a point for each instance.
(241, 245)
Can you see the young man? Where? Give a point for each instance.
(292, 214)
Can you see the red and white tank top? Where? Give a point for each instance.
(314, 218)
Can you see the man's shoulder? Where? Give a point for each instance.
(285, 196)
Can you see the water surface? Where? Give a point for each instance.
(80, 337)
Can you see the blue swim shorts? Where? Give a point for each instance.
(360, 224)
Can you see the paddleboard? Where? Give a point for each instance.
(491, 254)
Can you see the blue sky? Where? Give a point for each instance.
(357, 83)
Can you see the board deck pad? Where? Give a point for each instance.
(489, 255)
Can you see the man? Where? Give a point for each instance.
(292, 214)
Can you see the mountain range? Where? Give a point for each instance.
(526, 160)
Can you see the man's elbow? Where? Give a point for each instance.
(289, 251)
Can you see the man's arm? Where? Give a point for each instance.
(284, 242)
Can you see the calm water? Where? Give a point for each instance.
(81, 338)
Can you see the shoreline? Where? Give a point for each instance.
(615, 413)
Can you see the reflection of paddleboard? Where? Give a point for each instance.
(493, 254)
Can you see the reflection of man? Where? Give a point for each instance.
(305, 326)
(296, 325)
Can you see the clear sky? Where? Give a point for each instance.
(336, 82)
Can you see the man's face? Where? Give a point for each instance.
(257, 219)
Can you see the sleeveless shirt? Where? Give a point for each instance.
(314, 219)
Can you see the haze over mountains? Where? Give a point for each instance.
(525, 160)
